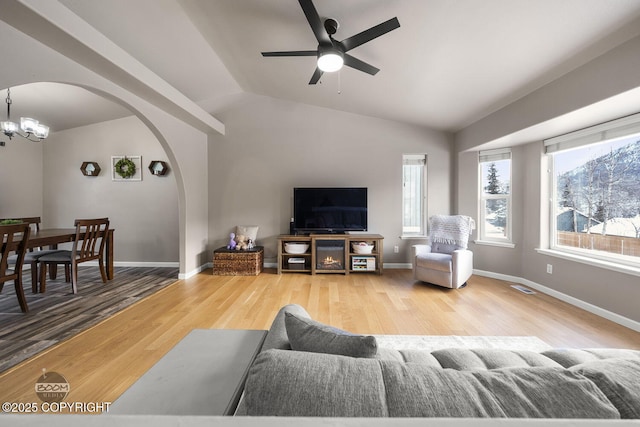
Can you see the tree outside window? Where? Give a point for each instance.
(495, 196)
(596, 199)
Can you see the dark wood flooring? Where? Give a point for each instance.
(58, 314)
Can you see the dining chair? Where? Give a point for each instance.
(14, 235)
(89, 243)
(33, 254)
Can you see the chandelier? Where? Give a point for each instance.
(29, 128)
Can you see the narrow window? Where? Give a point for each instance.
(414, 194)
(495, 196)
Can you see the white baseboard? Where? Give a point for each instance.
(599, 311)
(183, 276)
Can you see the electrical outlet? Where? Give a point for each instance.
(396, 249)
(550, 268)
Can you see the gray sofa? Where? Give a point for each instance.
(309, 369)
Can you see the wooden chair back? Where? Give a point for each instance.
(91, 237)
(14, 238)
(33, 221)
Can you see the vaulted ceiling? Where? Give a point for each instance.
(451, 62)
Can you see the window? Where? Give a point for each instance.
(595, 194)
(495, 196)
(414, 194)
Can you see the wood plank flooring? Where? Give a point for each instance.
(102, 362)
(58, 314)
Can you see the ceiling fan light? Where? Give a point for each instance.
(330, 62)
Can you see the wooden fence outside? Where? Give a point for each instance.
(614, 244)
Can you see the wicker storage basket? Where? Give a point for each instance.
(238, 263)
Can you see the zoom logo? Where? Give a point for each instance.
(52, 387)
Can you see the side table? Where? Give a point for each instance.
(230, 262)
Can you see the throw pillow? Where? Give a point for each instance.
(309, 335)
(277, 336)
(249, 231)
(298, 384)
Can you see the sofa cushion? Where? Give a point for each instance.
(291, 383)
(572, 356)
(486, 358)
(434, 261)
(619, 380)
(308, 335)
(416, 390)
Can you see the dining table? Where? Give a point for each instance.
(52, 237)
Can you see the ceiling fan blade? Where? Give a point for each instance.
(292, 53)
(360, 65)
(316, 76)
(315, 22)
(370, 34)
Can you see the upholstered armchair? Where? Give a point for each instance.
(445, 260)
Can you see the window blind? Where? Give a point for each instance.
(494, 155)
(618, 128)
(414, 159)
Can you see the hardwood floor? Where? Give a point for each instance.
(102, 362)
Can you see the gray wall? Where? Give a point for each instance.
(20, 178)
(272, 146)
(143, 213)
(569, 103)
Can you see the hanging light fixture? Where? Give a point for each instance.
(29, 128)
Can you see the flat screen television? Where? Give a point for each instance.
(329, 210)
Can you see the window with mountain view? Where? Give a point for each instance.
(596, 195)
(495, 196)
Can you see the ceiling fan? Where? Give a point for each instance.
(332, 54)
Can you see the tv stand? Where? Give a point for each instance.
(336, 248)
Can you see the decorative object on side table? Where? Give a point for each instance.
(158, 168)
(244, 237)
(90, 168)
(126, 168)
(242, 242)
(232, 241)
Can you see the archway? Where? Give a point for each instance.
(148, 203)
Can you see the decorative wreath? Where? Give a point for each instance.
(125, 168)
